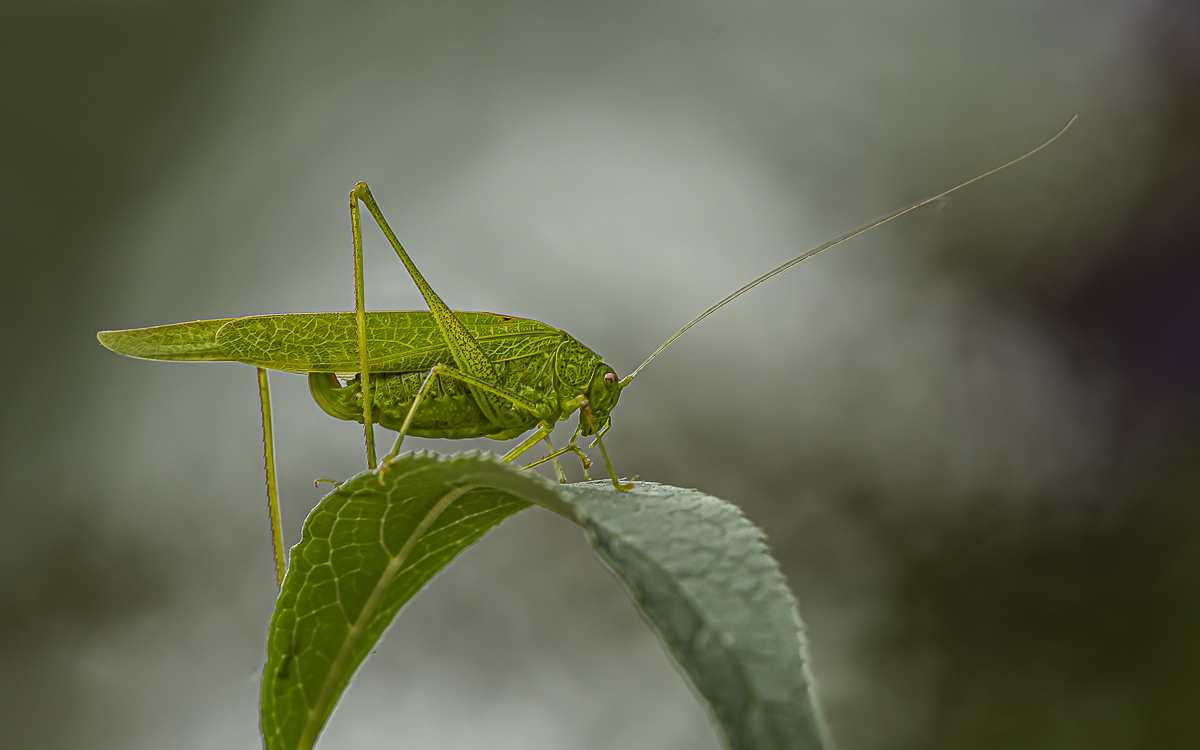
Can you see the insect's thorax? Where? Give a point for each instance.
(552, 376)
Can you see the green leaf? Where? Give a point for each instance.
(697, 569)
(703, 578)
(366, 549)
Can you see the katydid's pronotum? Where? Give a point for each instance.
(438, 374)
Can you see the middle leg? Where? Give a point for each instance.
(541, 434)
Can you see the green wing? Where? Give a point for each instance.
(182, 342)
(401, 341)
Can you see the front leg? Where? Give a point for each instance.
(612, 474)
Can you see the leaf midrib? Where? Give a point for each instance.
(316, 714)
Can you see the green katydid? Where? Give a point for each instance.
(441, 373)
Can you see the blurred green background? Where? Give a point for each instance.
(972, 436)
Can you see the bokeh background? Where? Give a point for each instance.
(972, 436)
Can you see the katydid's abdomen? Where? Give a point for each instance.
(448, 409)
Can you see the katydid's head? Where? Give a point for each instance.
(602, 395)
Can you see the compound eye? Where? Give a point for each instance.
(610, 377)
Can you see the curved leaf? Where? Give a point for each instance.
(703, 578)
(697, 569)
(366, 549)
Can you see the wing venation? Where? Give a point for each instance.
(397, 341)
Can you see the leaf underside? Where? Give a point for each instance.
(697, 569)
(703, 578)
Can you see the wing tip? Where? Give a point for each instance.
(195, 341)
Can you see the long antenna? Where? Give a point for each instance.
(780, 269)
